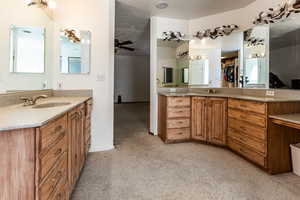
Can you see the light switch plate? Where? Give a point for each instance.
(270, 93)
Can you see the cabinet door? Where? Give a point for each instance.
(217, 120)
(81, 136)
(199, 118)
(73, 152)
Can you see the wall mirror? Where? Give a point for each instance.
(218, 62)
(173, 63)
(285, 54)
(75, 51)
(27, 49)
(256, 61)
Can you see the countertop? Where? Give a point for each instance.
(20, 117)
(237, 96)
(292, 118)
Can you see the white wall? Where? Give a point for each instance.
(98, 17)
(30, 16)
(132, 78)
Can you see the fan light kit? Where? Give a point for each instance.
(177, 36)
(162, 4)
(41, 3)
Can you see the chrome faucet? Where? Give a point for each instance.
(30, 101)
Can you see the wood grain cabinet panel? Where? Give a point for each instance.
(199, 118)
(251, 106)
(250, 117)
(179, 101)
(179, 112)
(178, 134)
(178, 123)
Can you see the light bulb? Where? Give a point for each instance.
(51, 4)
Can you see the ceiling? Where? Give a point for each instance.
(133, 17)
(185, 9)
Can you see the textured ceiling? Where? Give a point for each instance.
(133, 16)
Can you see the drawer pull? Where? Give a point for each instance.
(59, 151)
(180, 133)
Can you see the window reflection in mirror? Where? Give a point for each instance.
(27, 46)
(256, 67)
(75, 51)
(199, 72)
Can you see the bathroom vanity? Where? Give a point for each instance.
(44, 150)
(238, 122)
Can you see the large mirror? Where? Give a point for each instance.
(25, 41)
(173, 63)
(75, 51)
(285, 54)
(256, 62)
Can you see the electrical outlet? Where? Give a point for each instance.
(270, 93)
(59, 85)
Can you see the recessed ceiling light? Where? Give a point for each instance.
(161, 4)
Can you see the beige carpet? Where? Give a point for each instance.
(143, 168)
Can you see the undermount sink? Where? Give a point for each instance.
(50, 105)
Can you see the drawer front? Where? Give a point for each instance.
(178, 134)
(49, 160)
(179, 113)
(52, 132)
(179, 101)
(248, 129)
(255, 144)
(56, 180)
(252, 106)
(256, 119)
(178, 123)
(249, 154)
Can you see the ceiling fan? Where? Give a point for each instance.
(123, 45)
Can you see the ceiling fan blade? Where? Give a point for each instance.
(127, 48)
(126, 42)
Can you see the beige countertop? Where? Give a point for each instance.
(19, 117)
(293, 118)
(237, 96)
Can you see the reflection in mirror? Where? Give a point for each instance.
(285, 54)
(27, 50)
(199, 72)
(75, 51)
(173, 63)
(256, 64)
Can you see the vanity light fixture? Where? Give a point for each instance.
(177, 36)
(72, 35)
(42, 3)
(281, 13)
(217, 32)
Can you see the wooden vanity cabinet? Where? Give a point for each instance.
(174, 119)
(209, 120)
(44, 163)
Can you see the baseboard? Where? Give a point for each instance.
(101, 148)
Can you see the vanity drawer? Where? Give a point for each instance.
(258, 146)
(179, 101)
(178, 123)
(253, 118)
(178, 134)
(179, 112)
(248, 129)
(50, 158)
(249, 154)
(56, 180)
(52, 132)
(252, 106)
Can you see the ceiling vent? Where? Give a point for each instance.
(161, 4)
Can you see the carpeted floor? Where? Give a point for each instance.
(143, 168)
